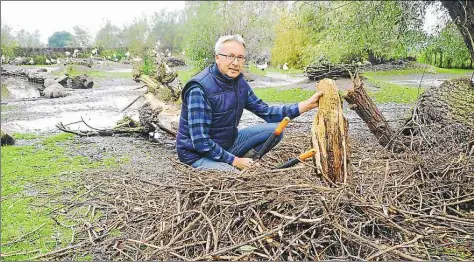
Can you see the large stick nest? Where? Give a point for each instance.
(395, 206)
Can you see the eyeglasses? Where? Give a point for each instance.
(231, 58)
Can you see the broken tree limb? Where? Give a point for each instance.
(163, 115)
(129, 105)
(360, 102)
(329, 134)
(100, 132)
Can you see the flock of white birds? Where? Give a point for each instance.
(95, 54)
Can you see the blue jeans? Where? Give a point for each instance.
(252, 137)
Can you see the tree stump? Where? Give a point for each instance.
(329, 135)
(6, 139)
(161, 108)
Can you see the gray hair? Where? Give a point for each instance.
(223, 39)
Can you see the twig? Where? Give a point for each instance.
(381, 252)
(58, 251)
(18, 253)
(135, 100)
(24, 235)
(215, 253)
(304, 220)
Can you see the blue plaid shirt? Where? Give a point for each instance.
(200, 118)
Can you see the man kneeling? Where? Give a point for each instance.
(213, 103)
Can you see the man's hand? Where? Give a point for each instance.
(242, 163)
(311, 103)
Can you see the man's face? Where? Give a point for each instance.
(227, 66)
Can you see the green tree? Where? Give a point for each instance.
(168, 29)
(108, 36)
(447, 49)
(27, 39)
(207, 21)
(8, 41)
(346, 31)
(82, 38)
(136, 36)
(60, 39)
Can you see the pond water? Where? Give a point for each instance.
(18, 88)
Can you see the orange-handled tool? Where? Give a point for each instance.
(298, 159)
(278, 130)
(281, 126)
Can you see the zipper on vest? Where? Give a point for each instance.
(235, 85)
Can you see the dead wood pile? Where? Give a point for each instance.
(161, 106)
(173, 62)
(451, 103)
(409, 206)
(327, 70)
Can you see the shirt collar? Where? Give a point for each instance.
(215, 71)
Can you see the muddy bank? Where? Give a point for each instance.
(99, 106)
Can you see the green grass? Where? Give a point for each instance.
(419, 70)
(277, 95)
(73, 71)
(33, 179)
(185, 75)
(38, 65)
(388, 92)
(5, 108)
(385, 93)
(4, 92)
(255, 70)
(25, 136)
(292, 71)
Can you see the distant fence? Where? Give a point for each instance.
(55, 51)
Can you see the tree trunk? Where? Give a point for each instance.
(6, 139)
(364, 107)
(462, 13)
(371, 55)
(161, 109)
(154, 113)
(451, 103)
(329, 135)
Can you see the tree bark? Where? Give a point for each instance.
(6, 139)
(329, 135)
(462, 13)
(451, 103)
(161, 108)
(364, 107)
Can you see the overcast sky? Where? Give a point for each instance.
(51, 16)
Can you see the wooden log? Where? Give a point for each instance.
(6, 139)
(316, 72)
(329, 135)
(360, 102)
(155, 112)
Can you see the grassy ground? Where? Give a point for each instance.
(4, 91)
(277, 95)
(385, 93)
(388, 92)
(292, 71)
(37, 179)
(74, 71)
(429, 70)
(185, 75)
